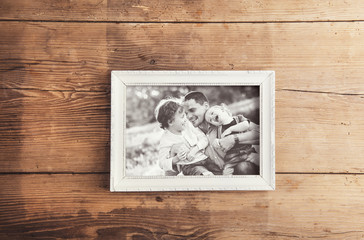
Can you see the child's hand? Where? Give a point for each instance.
(182, 153)
(216, 144)
(175, 149)
(190, 157)
(182, 156)
(191, 154)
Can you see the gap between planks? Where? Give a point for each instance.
(107, 173)
(54, 90)
(320, 92)
(108, 91)
(180, 22)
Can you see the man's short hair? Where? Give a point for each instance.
(199, 97)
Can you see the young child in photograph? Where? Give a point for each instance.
(182, 146)
(227, 124)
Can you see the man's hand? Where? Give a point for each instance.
(228, 171)
(227, 143)
(249, 137)
(238, 128)
(226, 133)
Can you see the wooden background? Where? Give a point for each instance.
(55, 63)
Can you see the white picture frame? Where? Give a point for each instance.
(121, 80)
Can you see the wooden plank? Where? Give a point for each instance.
(54, 56)
(79, 56)
(54, 131)
(81, 206)
(182, 11)
(45, 131)
(319, 132)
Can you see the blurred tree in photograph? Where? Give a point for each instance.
(143, 132)
(142, 100)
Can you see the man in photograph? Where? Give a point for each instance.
(246, 159)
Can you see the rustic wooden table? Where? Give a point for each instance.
(56, 58)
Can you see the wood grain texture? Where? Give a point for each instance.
(54, 131)
(319, 132)
(81, 207)
(45, 131)
(182, 11)
(323, 57)
(55, 63)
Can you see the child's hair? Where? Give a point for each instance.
(199, 97)
(165, 111)
(223, 107)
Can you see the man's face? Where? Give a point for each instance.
(195, 111)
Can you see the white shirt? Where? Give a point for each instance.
(191, 136)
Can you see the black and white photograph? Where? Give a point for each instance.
(192, 130)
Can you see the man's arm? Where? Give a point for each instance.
(237, 128)
(250, 137)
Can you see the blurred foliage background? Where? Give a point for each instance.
(143, 132)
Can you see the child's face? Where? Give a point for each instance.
(179, 122)
(217, 116)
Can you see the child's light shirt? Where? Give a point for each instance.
(190, 136)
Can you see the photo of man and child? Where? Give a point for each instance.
(191, 135)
